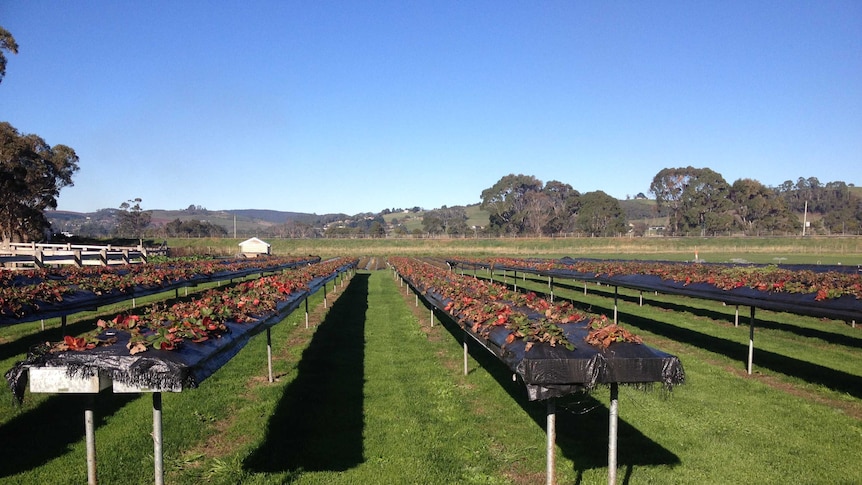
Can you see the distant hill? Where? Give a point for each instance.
(245, 221)
(280, 217)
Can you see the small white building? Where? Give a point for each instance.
(253, 247)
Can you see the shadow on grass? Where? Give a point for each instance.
(581, 420)
(39, 435)
(22, 345)
(318, 423)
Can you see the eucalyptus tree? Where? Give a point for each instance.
(565, 202)
(32, 173)
(445, 220)
(132, 219)
(601, 215)
(668, 187)
(7, 44)
(706, 206)
(506, 201)
(696, 199)
(759, 209)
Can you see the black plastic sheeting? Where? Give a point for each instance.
(87, 301)
(847, 307)
(549, 372)
(183, 368)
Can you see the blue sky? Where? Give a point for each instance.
(357, 106)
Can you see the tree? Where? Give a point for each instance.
(600, 215)
(668, 186)
(705, 203)
(538, 212)
(758, 208)
(846, 219)
(696, 199)
(132, 219)
(565, 202)
(506, 200)
(445, 220)
(7, 43)
(32, 173)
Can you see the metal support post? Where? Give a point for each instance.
(324, 295)
(269, 353)
(612, 433)
(616, 295)
(736, 317)
(465, 352)
(90, 433)
(306, 312)
(158, 455)
(751, 342)
(550, 447)
(515, 279)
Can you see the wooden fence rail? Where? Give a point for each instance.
(38, 255)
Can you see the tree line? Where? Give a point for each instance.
(695, 201)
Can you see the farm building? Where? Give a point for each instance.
(254, 247)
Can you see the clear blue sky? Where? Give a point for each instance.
(357, 106)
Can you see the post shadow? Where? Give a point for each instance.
(318, 423)
(39, 435)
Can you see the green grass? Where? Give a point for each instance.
(809, 250)
(373, 394)
(806, 388)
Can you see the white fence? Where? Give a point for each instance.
(34, 255)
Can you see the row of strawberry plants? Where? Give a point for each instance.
(823, 284)
(166, 327)
(23, 293)
(480, 305)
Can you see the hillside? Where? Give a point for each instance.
(413, 220)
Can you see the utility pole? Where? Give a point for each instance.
(805, 218)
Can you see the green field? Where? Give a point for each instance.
(372, 393)
(784, 250)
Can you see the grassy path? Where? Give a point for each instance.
(371, 394)
(376, 406)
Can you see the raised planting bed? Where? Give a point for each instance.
(554, 349)
(820, 291)
(41, 294)
(176, 348)
(169, 350)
